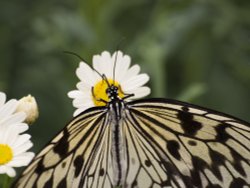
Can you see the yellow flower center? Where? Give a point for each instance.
(6, 154)
(99, 91)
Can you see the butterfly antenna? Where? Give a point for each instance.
(106, 80)
(75, 54)
(116, 54)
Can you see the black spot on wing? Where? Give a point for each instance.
(173, 148)
(214, 186)
(134, 184)
(185, 108)
(237, 163)
(174, 173)
(195, 178)
(63, 164)
(40, 167)
(49, 183)
(199, 165)
(238, 182)
(62, 146)
(188, 181)
(62, 183)
(101, 173)
(222, 135)
(218, 160)
(169, 168)
(78, 164)
(189, 125)
(192, 143)
(166, 183)
(147, 163)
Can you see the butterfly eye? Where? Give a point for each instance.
(108, 90)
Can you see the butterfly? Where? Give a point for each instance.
(144, 143)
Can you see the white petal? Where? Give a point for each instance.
(7, 133)
(84, 87)
(140, 92)
(107, 70)
(102, 63)
(98, 63)
(83, 98)
(81, 103)
(10, 171)
(135, 82)
(7, 170)
(86, 74)
(21, 140)
(73, 94)
(121, 68)
(2, 98)
(133, 71)
(21, 127)
(2, 169)
(8, 108)
(23, 148)
(10, 136)
(78, 111)
(14, 118)
(22, 160)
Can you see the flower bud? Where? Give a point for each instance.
(29, 106)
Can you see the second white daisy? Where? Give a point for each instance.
(13, 146)
(117, 70)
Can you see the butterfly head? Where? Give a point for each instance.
(112, 92)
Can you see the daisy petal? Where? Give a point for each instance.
(7, 170)
(2, 98)
(84, 72)
(135, 82)
(22, 160)
(108, 62)
(121, 69)
(133, 71)
(78, 111)
(74, 94)
(140, 92)
(8, 108)
(10, 171)
(15, 118)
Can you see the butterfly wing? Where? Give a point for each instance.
(77, 157)
(176, 144)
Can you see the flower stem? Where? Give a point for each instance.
(5, 181)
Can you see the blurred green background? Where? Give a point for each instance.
(194, 50)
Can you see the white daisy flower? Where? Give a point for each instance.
(117, 70)
(13, 146)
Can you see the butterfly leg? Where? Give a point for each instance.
(93, 94)
(126, 94)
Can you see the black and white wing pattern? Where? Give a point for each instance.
(182, 145)
(163, 143)
(77, 157)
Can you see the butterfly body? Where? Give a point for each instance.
(116, 108)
